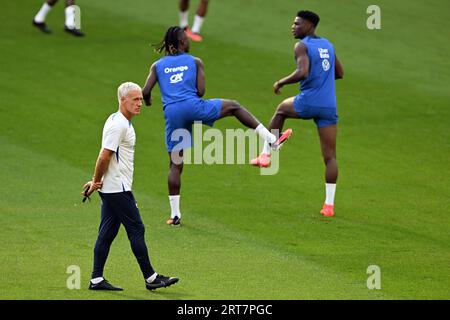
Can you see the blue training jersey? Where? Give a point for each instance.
(318, 89)
(177, 78)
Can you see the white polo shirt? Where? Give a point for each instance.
(119, 136)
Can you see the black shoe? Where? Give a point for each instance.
(75, 32)
(42, 26)
(160, 282)
(174, 221)
(103, 285)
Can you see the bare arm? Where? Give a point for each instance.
(300, 73)
(100, 168)
(149, 84)
(200, 77)
(338, 68)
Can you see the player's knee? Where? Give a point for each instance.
(176, 164)
(329, 156)
(235, 105)
(231, 107)
(176, 167)
(280, 111)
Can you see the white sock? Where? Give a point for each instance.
(70, 17)
(151, 278)
(175, 206)
(198, 21)
(40, 17)
(330, 191)
(265, 134)
(97, 280)
(266, 149)
(184, 15)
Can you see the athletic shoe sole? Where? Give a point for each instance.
(284, 137)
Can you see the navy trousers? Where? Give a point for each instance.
(120, 208)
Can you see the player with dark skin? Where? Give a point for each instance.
(39, 22)
(194, 33)
(176, 44)
(229, 108)
(201, 10)
(302, 28)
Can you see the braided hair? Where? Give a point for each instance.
(170, 42)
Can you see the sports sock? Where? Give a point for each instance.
(198, 21)
(184, 19)
(266, 149)
(97, 280)
(70, 17)
(40, 16)
(265, 134)
(330, 191)
(151, 278)
(175, 206)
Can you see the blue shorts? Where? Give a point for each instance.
(323, 117)
(181, 115)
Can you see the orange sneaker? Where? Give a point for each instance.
(284, 137)
(262, 161)
(175, 221)
(327, 210)
(194, 36)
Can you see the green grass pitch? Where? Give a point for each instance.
(245, 236)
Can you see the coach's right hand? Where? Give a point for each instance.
(92, 187)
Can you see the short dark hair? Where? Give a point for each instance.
(310, 16)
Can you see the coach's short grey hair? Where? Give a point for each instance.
(125, 88)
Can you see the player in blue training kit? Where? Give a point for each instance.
(181, 79)
(317, 69)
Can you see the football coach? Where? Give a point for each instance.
(113, 177)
